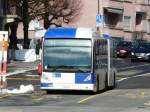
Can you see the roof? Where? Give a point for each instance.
(66, 32)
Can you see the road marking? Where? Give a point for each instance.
(147, 103)
(133, 67)
(5, 96)
(22, 79)
(20, 71)
(93, 96)
(37, 99)
(133, 77)
(88, 98)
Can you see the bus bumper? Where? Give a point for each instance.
(50, 86)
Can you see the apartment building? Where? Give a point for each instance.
(123, 19)
(7, 15)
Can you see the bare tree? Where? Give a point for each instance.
(53, 12)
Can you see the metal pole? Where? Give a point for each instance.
(98, 12)
(98, 8)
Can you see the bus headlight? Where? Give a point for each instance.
(132, 53)
(45, 77)
(147, 54)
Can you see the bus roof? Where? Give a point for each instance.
(62, 32)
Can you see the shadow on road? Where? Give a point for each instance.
(141, 82)
(133, 75)
(71, 92)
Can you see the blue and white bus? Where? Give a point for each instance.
(75, 59)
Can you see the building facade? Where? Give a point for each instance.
(7, 14)
(123, 19)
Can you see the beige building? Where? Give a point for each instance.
(123, 19)
(126, 19)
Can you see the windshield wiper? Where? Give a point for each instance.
(61, 67)
(82, 70)
(67, 68)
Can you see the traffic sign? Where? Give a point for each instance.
(106, 36)
(99, 19)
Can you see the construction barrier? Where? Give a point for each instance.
(3, 60)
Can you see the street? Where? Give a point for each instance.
(131, 94)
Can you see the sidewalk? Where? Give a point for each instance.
(15, 67)
(18, 67)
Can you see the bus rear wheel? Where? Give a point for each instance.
(114, 84)
(48, 91)
(106, 83)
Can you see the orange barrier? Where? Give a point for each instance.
(4, 62)
(1, 54)
(3, 58)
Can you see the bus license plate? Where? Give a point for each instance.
(57, 75)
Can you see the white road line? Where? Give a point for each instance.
(133, 77)
(21, 71)
(133, 67)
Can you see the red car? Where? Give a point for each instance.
(124, 49)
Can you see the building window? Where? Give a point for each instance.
(127, 22)
(139, 18)
(112, 17)
(148, 2)
(148, 26)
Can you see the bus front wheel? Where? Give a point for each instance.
(48, 91)
(96, 88)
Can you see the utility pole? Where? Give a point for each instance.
(25, 23)
(98, 16)
(98, 8)
(98, 12)
(3, 7)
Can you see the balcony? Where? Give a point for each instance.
(141, 2)
(116, 27)
(129, 1)
(141, 9)
(113, 3)
(113, 18)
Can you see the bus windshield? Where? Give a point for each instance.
(67, 55)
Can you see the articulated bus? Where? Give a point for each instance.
(75, 59)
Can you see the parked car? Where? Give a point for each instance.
(141, 51)
(123, 49)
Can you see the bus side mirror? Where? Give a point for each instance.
(39, 69)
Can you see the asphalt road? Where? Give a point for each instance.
(131, 94)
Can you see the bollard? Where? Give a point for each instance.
(1, 54)
(3, 61)
(3, 84)
(5, 46)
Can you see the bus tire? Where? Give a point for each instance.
(114, 83)
(106, 82)
(48, 91)
(96, 89)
